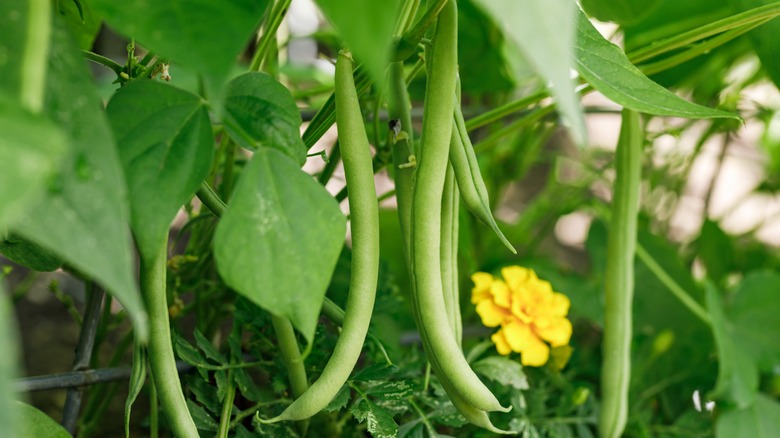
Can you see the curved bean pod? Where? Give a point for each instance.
(470, 182)
(426, 217)
(364, 211)
(449, 254)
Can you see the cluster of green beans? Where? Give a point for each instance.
(432, 244)
(364, 212)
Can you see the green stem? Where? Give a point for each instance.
(162, 362)
(672, 285)
(504, 110)
(291, 355)
(699, 49)
(619, 278)
(269, 33)
(154, 412)
(407, 45)
(102, 60)
(227, 407)
(211, 200)
(36, 52)
(685, 38)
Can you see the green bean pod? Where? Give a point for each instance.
(162, 363)
(470, 182)
(619, 278)
(426, 218)
(364, 211)
(449, 254)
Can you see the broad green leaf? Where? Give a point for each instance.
(753, 312)
(259, 111)
(83, 30)
(165, 145)
(83, 216)
(30, 148)
(759, 420)
(368, 37)
(390, 389)
(26, 253)
(503, 370)
(9, 366)
(137, 381)
(545, 31)
(203, 35)
(737, 373)
(379, 422)
(35, 424)
(619, 11)
(24, 47)
(280, 238)
(607, 69)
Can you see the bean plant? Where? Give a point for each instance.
(283, 250)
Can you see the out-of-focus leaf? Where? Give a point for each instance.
(259, 111)
(607, 69)
(715, 249)
(199, 34)
(83, 216)
(35, 424)
(280, 238)
(503, 370)
(84, 30)
(545, 31)
(737, 373)
(26, 253)
(481, 53)
(165, 144)
(753, 313)
(764, 39)
(759, 420)
(619, 11)
(30, 149)
(368, 38)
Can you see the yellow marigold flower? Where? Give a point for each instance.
(530, 314)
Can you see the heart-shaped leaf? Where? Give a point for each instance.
(166, 148)
(278, 242)
(259, 111)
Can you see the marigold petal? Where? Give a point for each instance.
(518, 308)
(558, 333)
(502, 345)
(500, 293)
(491, 314)
(481, 290)
(518, 335)
(535, 354)
(560, 305)
(516, 276)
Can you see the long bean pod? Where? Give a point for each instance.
(426, 217)
(619, 279)
(470, 182)
(449, 254)
(364, 212)
(162, 363)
